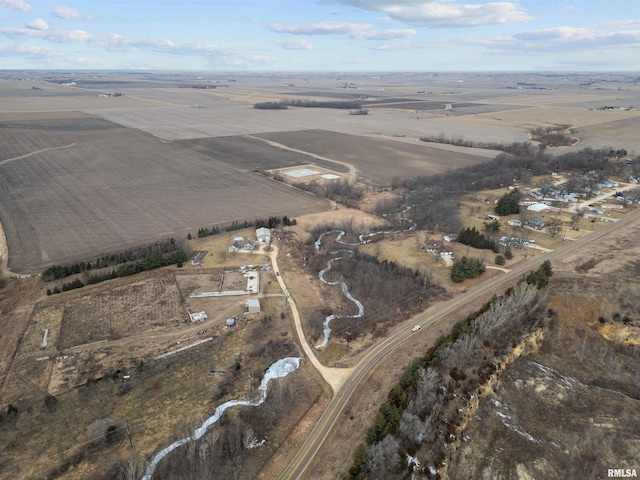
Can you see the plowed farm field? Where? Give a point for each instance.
(379, 160)
(77, 188)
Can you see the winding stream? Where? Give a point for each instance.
(362, 240)
(279, 369)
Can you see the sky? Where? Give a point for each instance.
(321, 35)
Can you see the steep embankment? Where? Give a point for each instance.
(569, 409)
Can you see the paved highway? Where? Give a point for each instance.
(314, 441)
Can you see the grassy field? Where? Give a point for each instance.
(101, 333)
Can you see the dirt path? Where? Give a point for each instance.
(4, 253)
(352, 171)
(36, 153)
(333, 376)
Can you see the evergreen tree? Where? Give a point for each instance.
(509, 203)
(507, 252)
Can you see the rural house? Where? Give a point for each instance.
(536, 222)
(433, 246)
(241, 245)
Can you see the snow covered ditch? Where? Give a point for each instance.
(279, 369)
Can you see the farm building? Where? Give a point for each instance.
(450, 237)
(253, 305)
(538, 207)
(446, 252)
(197, 316)
(514, 223)
(263, 235)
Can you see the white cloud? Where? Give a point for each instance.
(68, 13)
(559, 39)
(122, 43)
(357, 31)
(440, 14)
(319, 28)
(444, 13)
(384, 34)
(16, 5)
(28, 51)
(295, 44)
(376, 4)
(621, 23)
(38, 24)
(556, 33)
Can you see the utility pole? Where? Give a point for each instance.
(424, 289)
(126, 419)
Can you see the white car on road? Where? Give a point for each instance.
(415, 328)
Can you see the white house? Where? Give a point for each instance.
(263, 235)
(241, 245)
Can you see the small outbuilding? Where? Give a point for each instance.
(253, 305)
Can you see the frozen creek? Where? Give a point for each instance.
(279, 369)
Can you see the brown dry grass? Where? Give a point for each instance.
(164, 397)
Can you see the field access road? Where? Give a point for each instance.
(333, 376)
(316, 438)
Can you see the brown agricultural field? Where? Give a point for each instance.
(76, 188)
(378, 160)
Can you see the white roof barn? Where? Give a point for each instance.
(253, 305)
(263, 235)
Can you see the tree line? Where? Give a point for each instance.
(271, 222)
(152, 262)
(270, 106)
(283, 104)
(419, 413)
(341, 191)
(515, 148)
(472, 237)
(56, 272)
